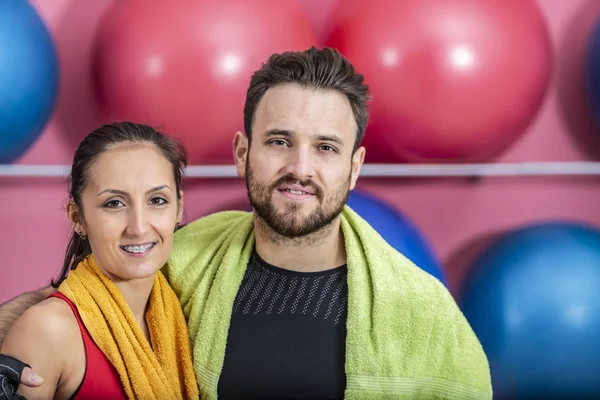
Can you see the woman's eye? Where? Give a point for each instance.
(114, 204)
(158, 201)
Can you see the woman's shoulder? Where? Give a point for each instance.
(49, 325)
(47, 337)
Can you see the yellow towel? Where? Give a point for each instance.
(166, 372)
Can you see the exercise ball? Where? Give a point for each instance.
(29, 76)
(593, 70)
(398, 231)
(184, 65)
(451, 80)
(533, 299)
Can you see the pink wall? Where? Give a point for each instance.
(457, 215)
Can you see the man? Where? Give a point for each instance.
(301, 298)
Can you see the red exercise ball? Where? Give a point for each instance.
(452, 80)
(185, 65)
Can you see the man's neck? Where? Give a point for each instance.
(319, 251)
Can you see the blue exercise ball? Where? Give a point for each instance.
(29, 76)
(398, 231)
(593, 70)
(533, 299)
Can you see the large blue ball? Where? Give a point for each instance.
(398, 231)
(29, 76)
(533, 299)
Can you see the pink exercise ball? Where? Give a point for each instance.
(452, 80)
(184, 65)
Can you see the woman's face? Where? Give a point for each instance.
(129, 210)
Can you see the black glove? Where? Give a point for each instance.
(10, 377)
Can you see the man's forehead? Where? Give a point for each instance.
(294, 108)
(293, 93)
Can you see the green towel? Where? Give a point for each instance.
(406, 337)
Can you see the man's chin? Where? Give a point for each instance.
(293, 210)
(287, 224)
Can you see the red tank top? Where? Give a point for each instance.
(100, 380)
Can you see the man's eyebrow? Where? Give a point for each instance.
(279, 132)
(330, 138)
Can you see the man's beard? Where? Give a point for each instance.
(290, 223)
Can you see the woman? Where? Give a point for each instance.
(114, 329)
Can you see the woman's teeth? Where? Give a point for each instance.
(138, 249)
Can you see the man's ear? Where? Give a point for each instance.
(240, 152)
(358, 159)
(180, 207)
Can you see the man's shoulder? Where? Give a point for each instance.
(210, 222)
(411, 283)
(195, 244)
(203, 231)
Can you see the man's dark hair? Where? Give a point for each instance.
(325, 69)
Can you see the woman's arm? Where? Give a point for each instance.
(47, 338)
(11, 310)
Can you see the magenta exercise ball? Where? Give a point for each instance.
(185, 65)
(452, 80)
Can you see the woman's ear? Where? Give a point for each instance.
(76, 218)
